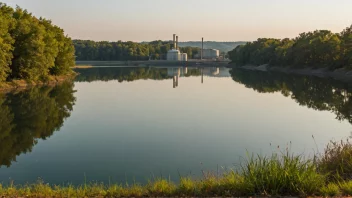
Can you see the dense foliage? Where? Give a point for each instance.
(30, 115)
(319, 49)
(32, 48)
(87, 50)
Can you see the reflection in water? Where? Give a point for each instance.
(124, 132)
(317, 93)
(202, 75)
(177, 73)
(30, 115)
(154, 73)
(121, 74)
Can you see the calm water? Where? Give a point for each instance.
(126, 124)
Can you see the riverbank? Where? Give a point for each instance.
(282, 174)
(15, 85)
(342, 74)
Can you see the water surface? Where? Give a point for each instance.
(128, 124)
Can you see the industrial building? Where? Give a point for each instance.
(174, 54)
(209, 54)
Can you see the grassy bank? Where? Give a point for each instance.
(23, 84)
(285, 174)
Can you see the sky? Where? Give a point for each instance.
(215, 20)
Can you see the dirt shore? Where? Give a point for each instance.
(17, 85)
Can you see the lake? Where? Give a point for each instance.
(116, 124)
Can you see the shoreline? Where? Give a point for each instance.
(276, 175)
(341, 74)
(15, 85)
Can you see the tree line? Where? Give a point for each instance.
(318, 49)
(32, 48)
(87, 50)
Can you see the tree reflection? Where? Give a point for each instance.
(30, 115)
(131, 73)
(121, 74)
(318, 93)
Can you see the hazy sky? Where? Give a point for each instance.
(219, 20)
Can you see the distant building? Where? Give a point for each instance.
(209, 54)
(175, 54)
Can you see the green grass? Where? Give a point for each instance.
(336, 161)
(346, 188)
(282, 174)
(330, 190)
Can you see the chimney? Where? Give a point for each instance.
(201, 52)
(174, 42)
(177, 42)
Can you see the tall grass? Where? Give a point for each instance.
(282, 174)
(336, 161)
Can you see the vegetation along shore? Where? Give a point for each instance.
(32, 51)
(282, 174)
(320, 53)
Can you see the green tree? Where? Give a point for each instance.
(346, 51)
(66, 55)
(320, 49)
(6, 41)
(29, 60)
(32, 48)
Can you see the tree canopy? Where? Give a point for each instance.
(319, 49)
(32, 48)
(87, 50)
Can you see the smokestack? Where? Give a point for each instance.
(201, 53)
(174, 42)
(177, 42)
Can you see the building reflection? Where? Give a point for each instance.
(181, 72)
